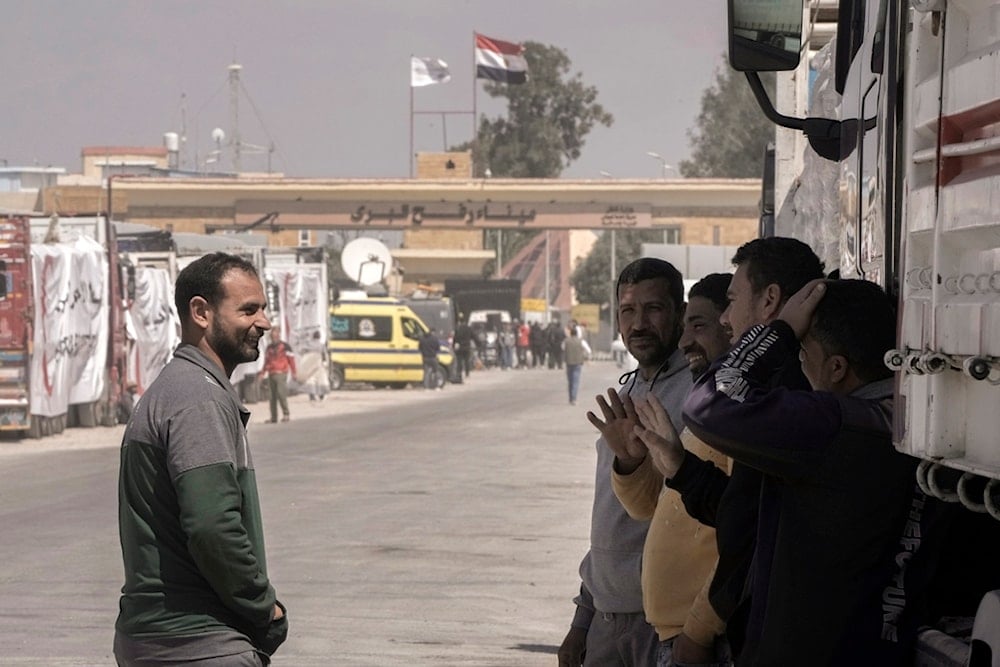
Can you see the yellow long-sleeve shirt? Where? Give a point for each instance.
(680, 553)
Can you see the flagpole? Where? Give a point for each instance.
(475, 116)
(409, 159)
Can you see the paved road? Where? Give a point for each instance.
(403, 527)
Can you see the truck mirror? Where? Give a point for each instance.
(765, 35)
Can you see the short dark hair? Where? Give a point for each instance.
(785, 262)
(650, 268)
(203, 277)
(713, 287)
(856, 319)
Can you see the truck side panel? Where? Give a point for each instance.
(950, 339)
(15, 323)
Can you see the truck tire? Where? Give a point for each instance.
(34, 426)
(441, 377)
(86, 414)
(336, 378)
(108, 414)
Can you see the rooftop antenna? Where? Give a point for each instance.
(234, 109)
(184, 131)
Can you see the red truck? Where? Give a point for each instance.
(15, 323)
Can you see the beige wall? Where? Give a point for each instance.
(452, 239)
(434, 166)
(716, 231)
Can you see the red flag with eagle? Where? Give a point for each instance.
(498, 60)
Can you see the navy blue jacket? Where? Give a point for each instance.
(846, 542)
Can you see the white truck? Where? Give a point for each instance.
(901, 186)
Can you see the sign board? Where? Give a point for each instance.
(442, 215)
(587, 314)
(533, 305)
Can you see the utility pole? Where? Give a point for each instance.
(234, 110)
(548, 314)
(614, 297)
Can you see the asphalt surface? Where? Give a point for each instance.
(403, 527)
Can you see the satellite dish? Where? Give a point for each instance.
(366, 260)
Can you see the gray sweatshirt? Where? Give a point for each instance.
(612, 568)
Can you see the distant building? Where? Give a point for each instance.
(21, 187)
(104, 161)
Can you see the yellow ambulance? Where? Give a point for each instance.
(376, 340)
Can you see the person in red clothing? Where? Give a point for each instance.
(523, 342)
(279, 361)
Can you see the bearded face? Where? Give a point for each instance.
(649, 322)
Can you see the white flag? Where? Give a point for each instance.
(428, 71)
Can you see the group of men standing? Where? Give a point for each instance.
(749, 504)
(755, 433)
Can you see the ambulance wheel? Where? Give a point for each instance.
(336, 378)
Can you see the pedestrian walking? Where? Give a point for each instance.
(537, 340)
(279, 361)
(429, 348)
(555, 336)
(506, 342)
(577, 353)
(463, 348)
(196, 586)
(523, 343)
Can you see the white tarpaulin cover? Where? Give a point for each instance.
(153, 326)
(71, 325)
(302, 307)
(303, 313)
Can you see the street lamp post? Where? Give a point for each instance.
(663, 162)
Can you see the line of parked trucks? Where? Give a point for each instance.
(87, 320)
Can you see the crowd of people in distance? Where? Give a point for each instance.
(515, 344)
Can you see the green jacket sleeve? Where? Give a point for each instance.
(211, 516)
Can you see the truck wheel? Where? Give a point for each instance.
(86, 414)
(441, 377)
(336, 378)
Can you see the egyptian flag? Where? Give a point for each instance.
(498, 60)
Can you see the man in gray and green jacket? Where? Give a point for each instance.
(196, 587)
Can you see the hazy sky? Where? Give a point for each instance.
(328, 80)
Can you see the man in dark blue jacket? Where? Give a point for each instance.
(847, 542)
(429, 348)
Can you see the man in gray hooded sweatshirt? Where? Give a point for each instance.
(609, 627)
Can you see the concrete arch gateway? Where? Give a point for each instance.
(271, 204)
(443, 220)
